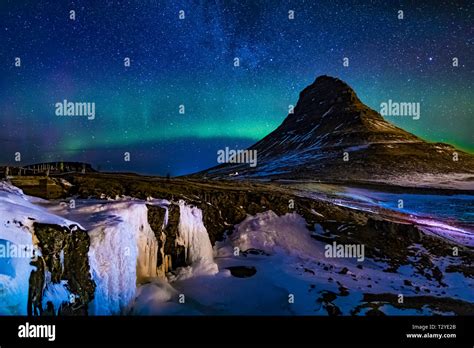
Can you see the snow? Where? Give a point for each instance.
(284, 272)
(327, 112)
(15, 206)
(17, 215)
(156, 297)
(272, 234)
(357, 147)
(457, 181)
(123, 253)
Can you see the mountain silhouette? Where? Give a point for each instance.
(333, 136)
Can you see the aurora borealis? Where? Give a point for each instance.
(190, 62)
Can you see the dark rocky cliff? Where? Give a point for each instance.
(64, 254)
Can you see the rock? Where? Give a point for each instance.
(242, 271)
(374, 312)
(176, 252)
(156, 219)
(332, 309)
(344, 271)
(343, 291)
(73, 244)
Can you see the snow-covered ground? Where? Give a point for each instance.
(293, 274)
(290, 278)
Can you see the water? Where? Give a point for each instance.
(459, 207)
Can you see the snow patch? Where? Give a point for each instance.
(275, 234)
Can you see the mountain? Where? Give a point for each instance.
(333, 136)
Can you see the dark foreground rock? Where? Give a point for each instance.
(242, 271)
(64, 255)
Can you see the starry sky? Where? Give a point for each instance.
(190, 62)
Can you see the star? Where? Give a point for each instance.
(190, 62)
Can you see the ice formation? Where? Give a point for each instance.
(194, 237)
(123, 250)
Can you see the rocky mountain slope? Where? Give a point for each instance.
(333, 136)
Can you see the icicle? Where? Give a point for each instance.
(193, 236)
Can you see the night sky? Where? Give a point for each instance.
(190, 62)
